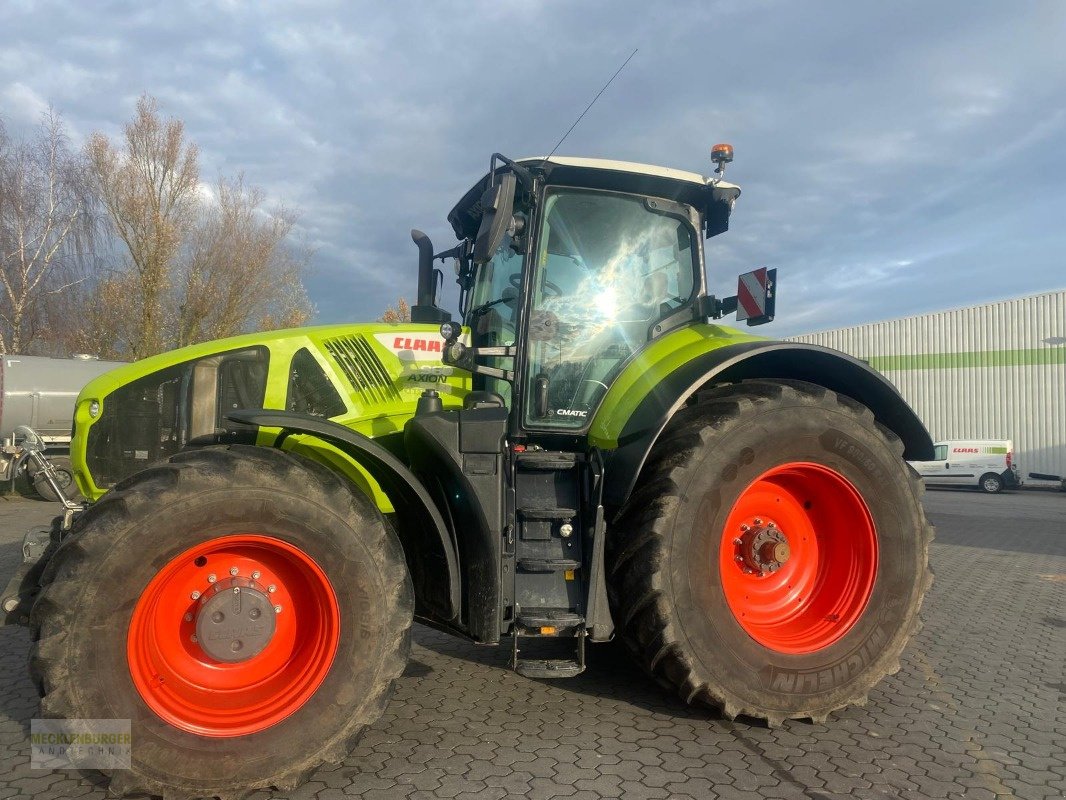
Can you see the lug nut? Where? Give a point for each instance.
(188, 617)
(739, 558)
(192, 638)
(277, 609)
(195, 595)
(255, 575)
(211, 578)
(236, 589)
(757, 521)
(745, 527)
(738, 541)
(770, 525)
(233, 570)
(272, 588)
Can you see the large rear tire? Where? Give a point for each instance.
(774, 559)
(246, 609)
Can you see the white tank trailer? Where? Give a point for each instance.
(39, 393)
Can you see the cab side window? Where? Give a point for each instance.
(310, 390)
(940, 452)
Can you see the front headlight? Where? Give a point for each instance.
(94, 408)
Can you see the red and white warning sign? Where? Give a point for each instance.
(752, 290)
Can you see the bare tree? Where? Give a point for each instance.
(238, 272)
(46, 228)
(149, 188)
(102, 308)
(401, 312)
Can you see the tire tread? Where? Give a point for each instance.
(68, 576)
(635, 585)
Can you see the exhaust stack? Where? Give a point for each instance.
(425, 308)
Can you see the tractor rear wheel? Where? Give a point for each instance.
(246, 609)
(774, 559)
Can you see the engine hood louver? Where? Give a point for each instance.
(362, 367)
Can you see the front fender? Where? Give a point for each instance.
(650, 413)
(428, 547)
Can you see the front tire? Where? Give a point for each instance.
(991, 483)
(246, 609)
(774, 560)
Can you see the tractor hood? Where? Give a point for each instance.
(367, 377)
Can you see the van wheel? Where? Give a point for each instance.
(991, 483)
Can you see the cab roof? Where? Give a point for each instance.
(631, 167)
(706, 194)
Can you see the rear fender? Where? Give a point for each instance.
(428, 547)
(758, 359)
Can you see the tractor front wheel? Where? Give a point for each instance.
(773, 560)
(245, 609)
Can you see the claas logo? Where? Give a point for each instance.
(965, 450)
(407, 343)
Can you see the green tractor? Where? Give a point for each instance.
(586, 455)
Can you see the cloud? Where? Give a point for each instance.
(23, 104)
(894, 158)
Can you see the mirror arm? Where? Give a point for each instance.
(523, 174)
(716, 308)
(459, 355)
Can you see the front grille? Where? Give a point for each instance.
(363, 369)
(153, 417)
(140, 425)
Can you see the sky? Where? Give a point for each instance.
(895, 158)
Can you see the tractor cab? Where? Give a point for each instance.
(567, 268)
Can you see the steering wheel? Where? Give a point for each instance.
(516, 281)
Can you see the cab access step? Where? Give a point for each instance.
(559, 625)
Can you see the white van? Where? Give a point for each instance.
(987, 464)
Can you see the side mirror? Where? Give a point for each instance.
(497, 208)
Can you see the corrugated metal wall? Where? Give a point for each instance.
(996, 371)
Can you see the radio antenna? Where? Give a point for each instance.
(590, 105)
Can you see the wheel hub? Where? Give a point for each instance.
(762, 547)
(235, 622)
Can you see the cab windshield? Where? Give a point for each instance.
(609, 268)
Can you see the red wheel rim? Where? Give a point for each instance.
(195, 692)
(798, 557)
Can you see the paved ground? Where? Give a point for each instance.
(978, 710)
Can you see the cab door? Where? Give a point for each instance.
(611, 271)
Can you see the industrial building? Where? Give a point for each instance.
(995, 371)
